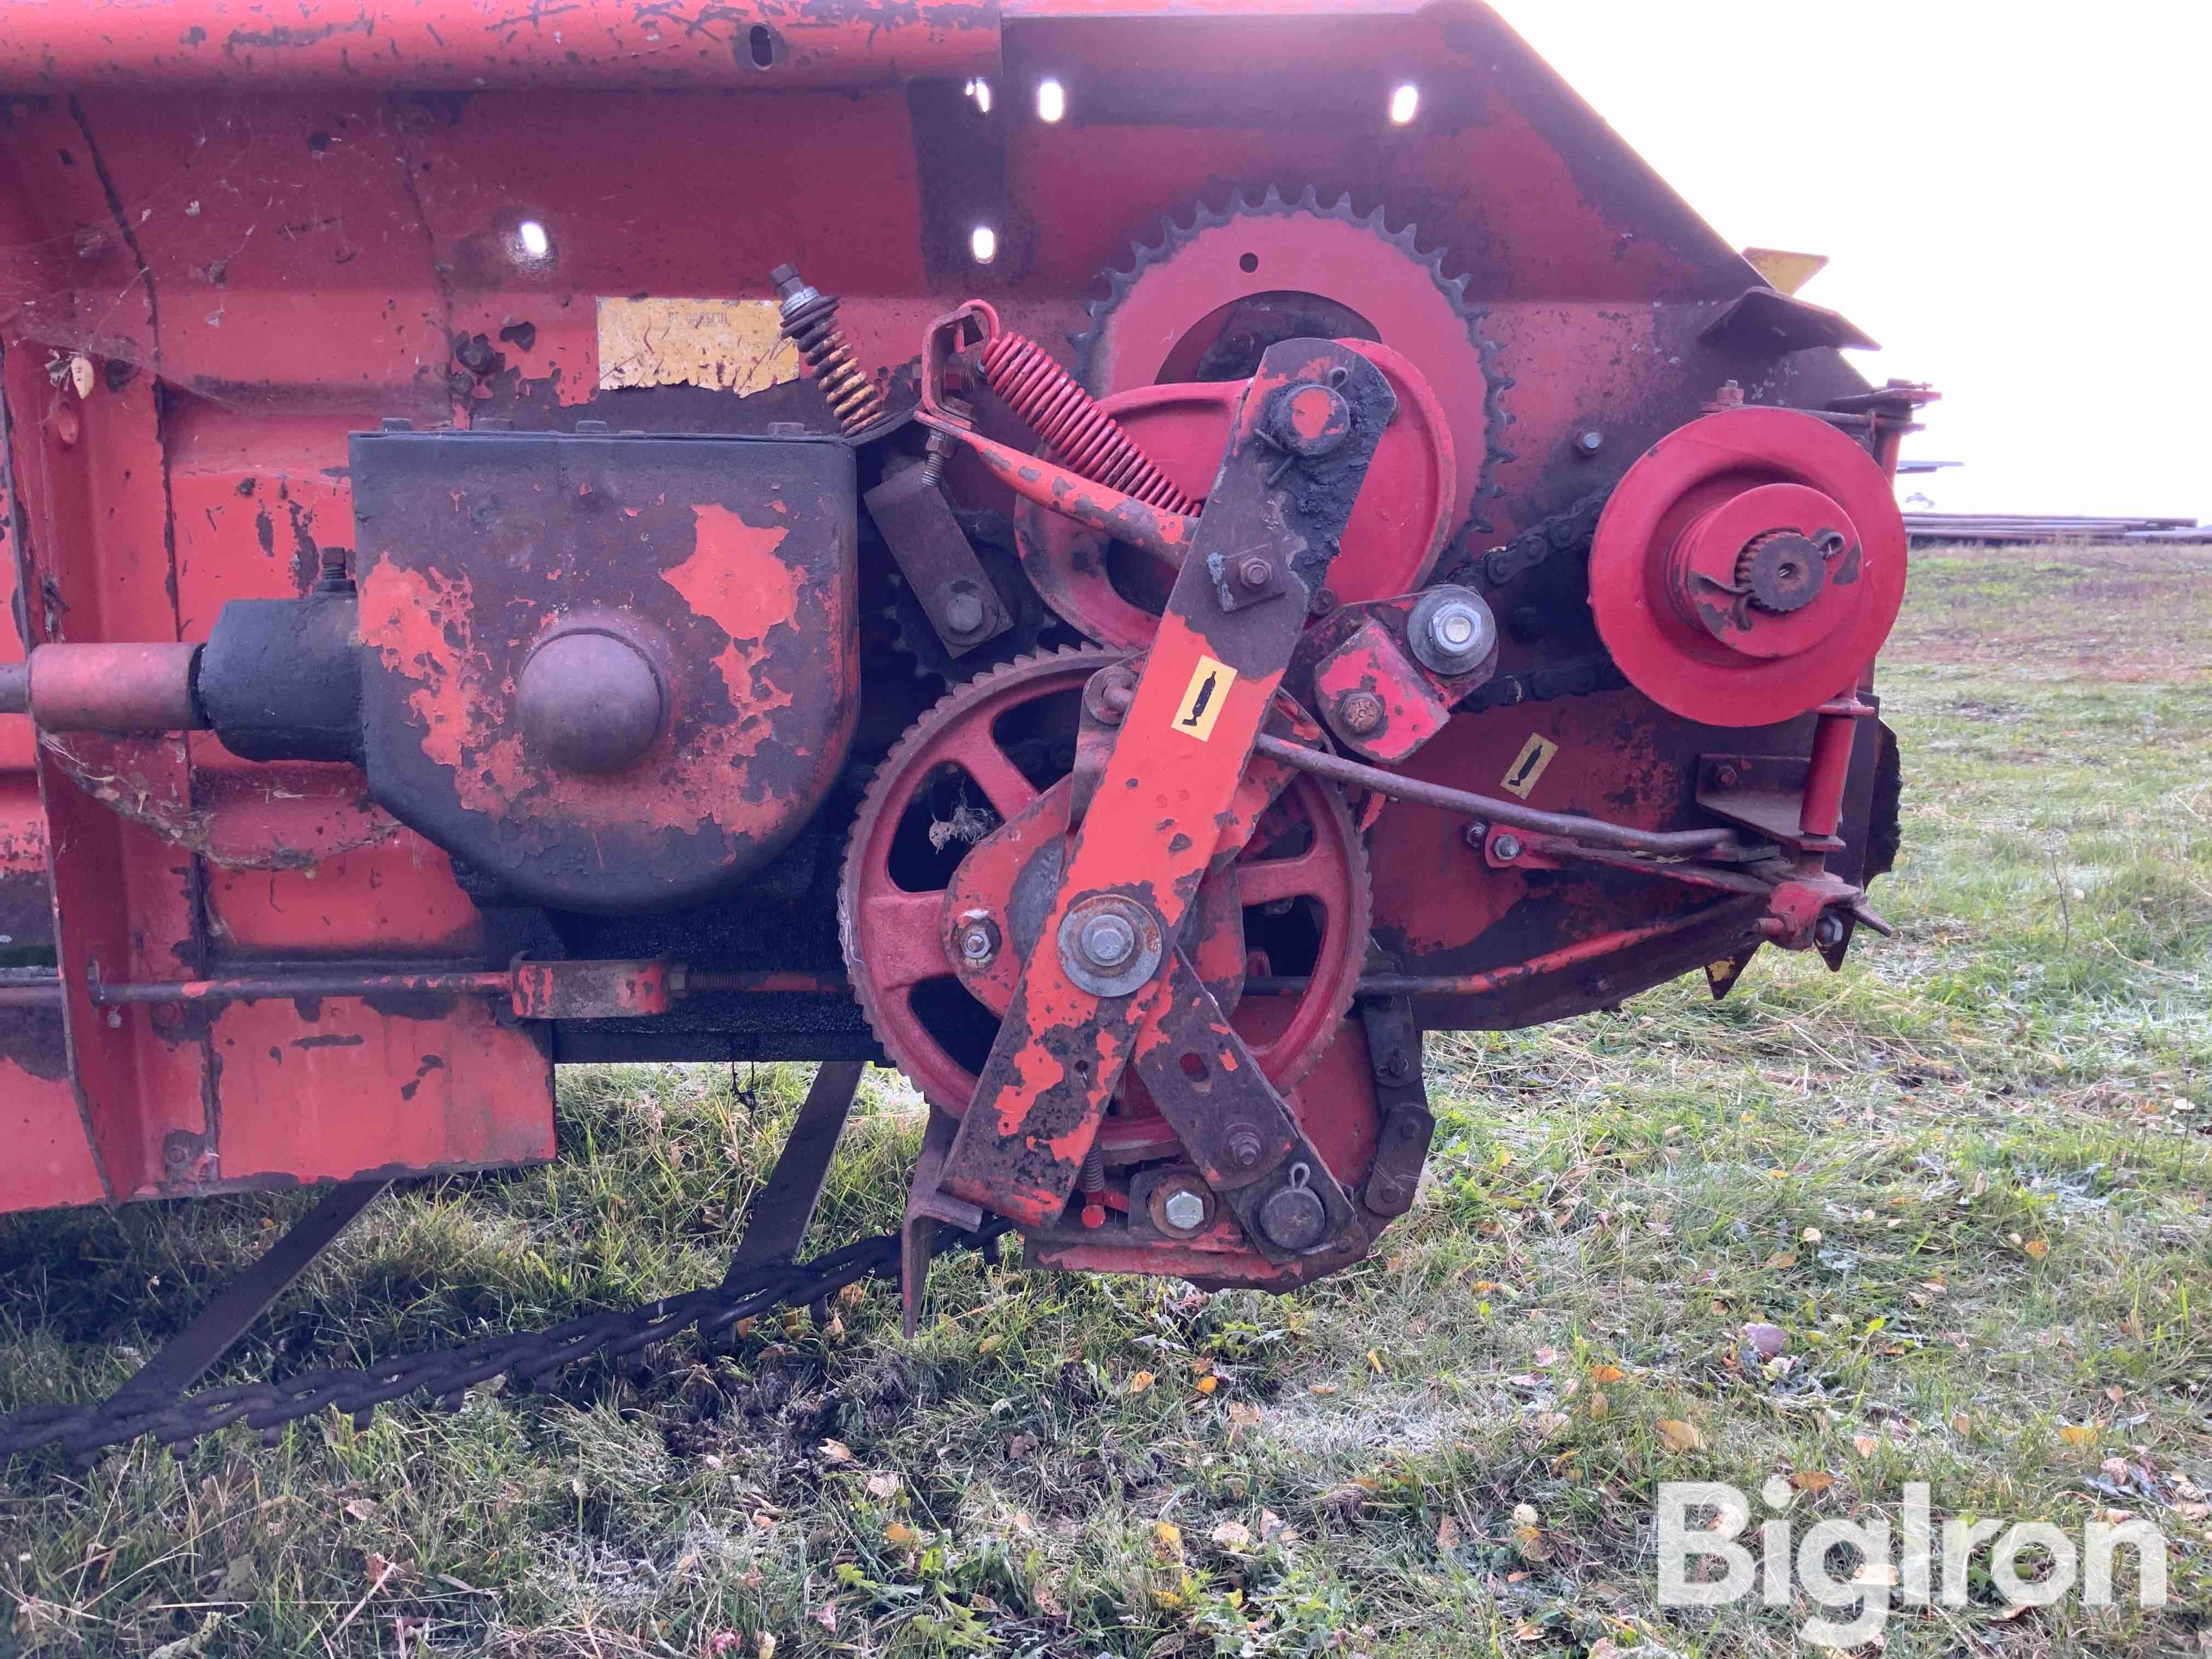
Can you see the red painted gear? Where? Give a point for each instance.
(1748, 567)
(1275, 267)
(901, 912)
(1397, 530)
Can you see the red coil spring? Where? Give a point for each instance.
(1085, 436)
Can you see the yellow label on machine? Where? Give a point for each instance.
(1528, 765)
(1203, 697)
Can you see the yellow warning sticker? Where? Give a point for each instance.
(1528, 765)
(1203, 697)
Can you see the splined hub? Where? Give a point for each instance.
(1782, 571)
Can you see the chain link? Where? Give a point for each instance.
(447, 1373)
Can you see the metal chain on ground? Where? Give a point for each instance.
(523, 1356)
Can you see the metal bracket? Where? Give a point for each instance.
(936, 559)
(785, 1209)
(187, 1355)
(1393, 1047)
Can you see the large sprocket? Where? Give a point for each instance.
(1206, 297)
(957, 828)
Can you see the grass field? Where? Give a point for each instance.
(1965, 1181)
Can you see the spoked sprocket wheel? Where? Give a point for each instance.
(955, 860)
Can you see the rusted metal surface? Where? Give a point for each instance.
(711, 580)
(1206, 685)
(1397, 529)
(600, 714)
(464, 47)
(113, 688)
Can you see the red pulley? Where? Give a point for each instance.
(1748, 567)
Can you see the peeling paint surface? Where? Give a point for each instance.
(723, 345)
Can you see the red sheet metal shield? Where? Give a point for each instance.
(1748, 567)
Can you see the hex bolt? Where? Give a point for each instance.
(1828, 930)
(1323, 602)
(1475, 835)
(1183, 1210)
(1454, 627)
(1243, 1145)
(1725, 777)
(977, 940)
(1395, 1064)
(1507, 847)
(1108, 941)
(963, 611)
(1361, 712)
(1589, 441)
(1256, 573)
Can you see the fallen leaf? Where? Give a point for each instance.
(2193, 1512)
(1375, 1362)
(1019, 1446)
(1606, 1374)
(1207, 1383)
(1875, 1573)
(362, 1509)
(1767, 1340)
(827, 1617)
(1962, 1423)
(1782, 1259)
(1232, 1535)
(1679, 1437)
(1545, 1357)
(2036, 1248)
(1865, 1444)
(1447, 1535)
(1599, 1406)
(764, 1646)
(1322, 1387)
(882, 1485)
(2006, 1615)
(1810, 1236)
(1167, 1539)
(2078, 1434)
(2115, 1470)
(1812, 1480)
(1140, 1382)
(1551, 1422)
(991, 1344)
(899, 1533)
(837, 1452)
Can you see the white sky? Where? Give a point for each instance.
(2017, 200)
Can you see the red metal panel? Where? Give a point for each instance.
(466, 44)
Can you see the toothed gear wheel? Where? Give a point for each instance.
(954, 861)
(1206, 298)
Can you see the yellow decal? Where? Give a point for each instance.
(1528, 765)
(1203, 697)
(724, 345)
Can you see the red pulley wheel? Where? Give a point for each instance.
(1748, 567)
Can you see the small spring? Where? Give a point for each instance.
(1069, 419)
(810, 322)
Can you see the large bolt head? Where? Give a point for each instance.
(1311, 420)
(1451, 630)
(963, 611)
(1183, 1210)
(1108, 941)
(1361, 712)
(589, 702)
(1293, 1217)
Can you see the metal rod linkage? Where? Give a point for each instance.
(1595, 831)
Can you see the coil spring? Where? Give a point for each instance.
(1085, 436)
(852, 396)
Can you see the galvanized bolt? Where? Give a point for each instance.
(1256, 573)
(1243, 1145)
(1361, 712)
(1183, 1210)
(1507, 846)
(963, 610)
(1589, 441)
(1108, 941)
(1475, 835)
(978, 939)
(1828, 931)
(1455, 627)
